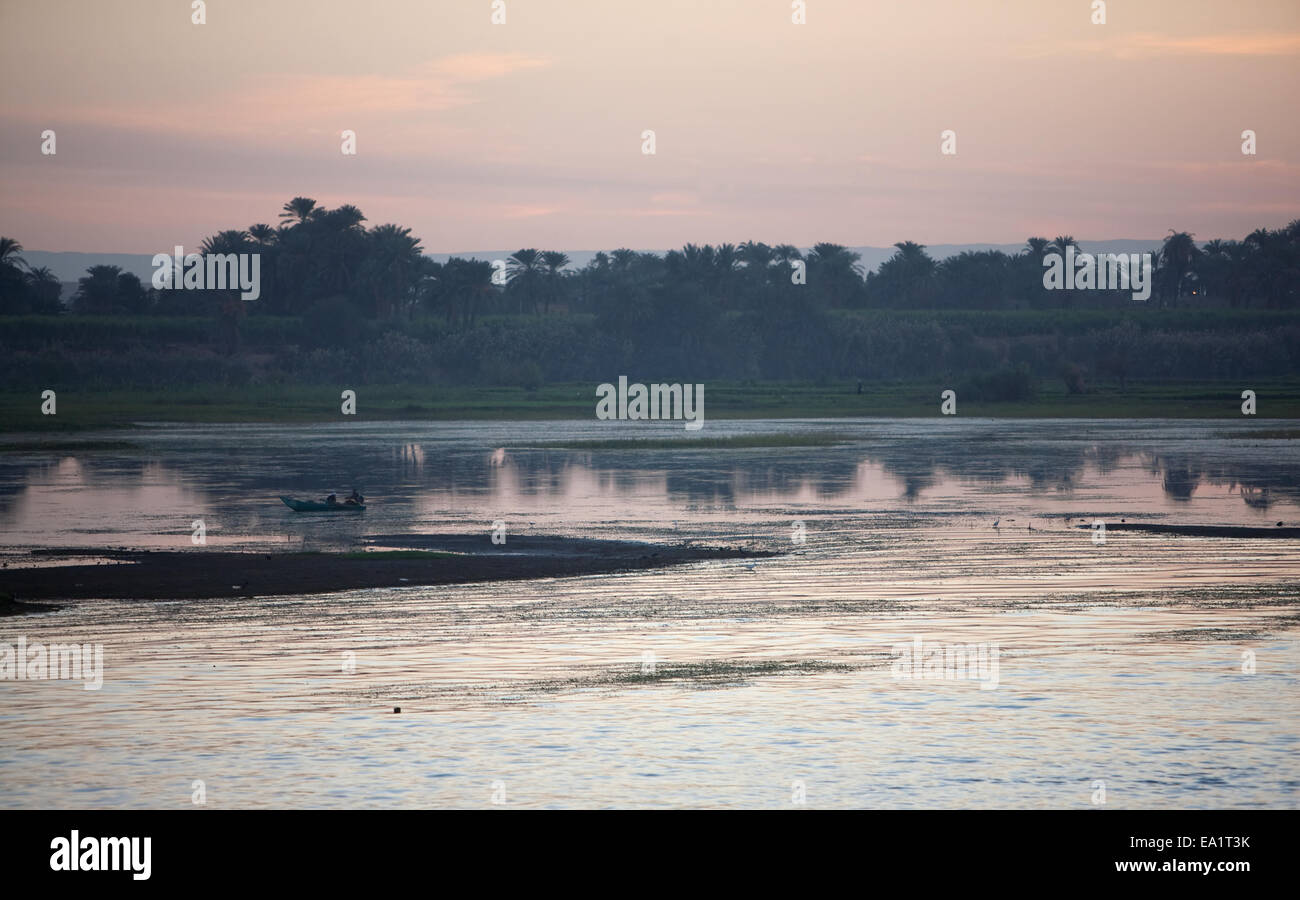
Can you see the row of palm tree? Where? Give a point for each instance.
(533, 275)
(316, 253)
(23, 288)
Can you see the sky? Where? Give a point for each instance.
(529, 133)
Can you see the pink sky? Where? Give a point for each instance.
(483, 136)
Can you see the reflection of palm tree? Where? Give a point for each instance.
(1256, 498)
(1180, 482)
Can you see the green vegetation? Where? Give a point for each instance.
(721, 672)
(43, 446)
(286, 404)
(687, 442)
(1264, 434)
(345, 306)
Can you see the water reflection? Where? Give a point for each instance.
(460, 474)
(899, 543)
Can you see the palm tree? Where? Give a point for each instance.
(464, 285)
(338, 246)
(97, 290)
(343, 217)
(1037, 247)
(1062, 243)
(906, 279)
(392, 267)
(756, 257)
(554, 261)
(523, 272)
(835, 275)
(46, 289)
(623, 258)
(232, 240)
(1179, 256)
(263, 235)
(298, 210)
(10, 253)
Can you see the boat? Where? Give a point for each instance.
(320, 506)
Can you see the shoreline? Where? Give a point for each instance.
(414, 561)
(82, 410)
(1229, 531)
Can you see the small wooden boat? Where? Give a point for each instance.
(321, 506)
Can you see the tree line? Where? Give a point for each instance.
(327, 263)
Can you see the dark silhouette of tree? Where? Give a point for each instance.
(835, 276)
(906, 279)
(105, 290)
(524, 270)
(1178, 258)
(392, 269)
(298, 211)
(554, 261)
(46, 290)
(15, 289)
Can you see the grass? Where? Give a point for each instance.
(731, 442)
(289, 404)
(1266, 434)
(722, 672)
(46, 445)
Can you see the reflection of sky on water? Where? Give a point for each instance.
(1122, 661)
(459, 475)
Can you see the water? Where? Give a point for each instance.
(719, 684)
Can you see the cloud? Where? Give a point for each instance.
(1148, 45)
(314, 103)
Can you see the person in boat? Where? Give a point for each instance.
(354, 498)
(332, 500)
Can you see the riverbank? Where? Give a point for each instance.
(78, 410)
(404, 561)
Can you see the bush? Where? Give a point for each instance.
(1001, 386)
(1073, 377)
(334, 322)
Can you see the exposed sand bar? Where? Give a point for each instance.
(1237, 531)
(448, 559)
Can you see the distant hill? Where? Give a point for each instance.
(69, 266)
